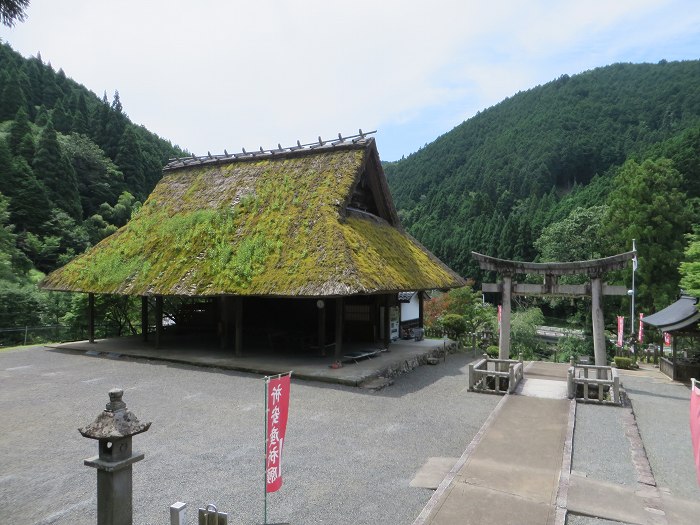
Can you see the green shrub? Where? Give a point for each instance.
(623, 362)
(454, 325)
(492, 352)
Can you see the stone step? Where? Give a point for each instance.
(542, 388)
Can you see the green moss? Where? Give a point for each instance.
(284, 236)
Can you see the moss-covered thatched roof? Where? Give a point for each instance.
(315, 223)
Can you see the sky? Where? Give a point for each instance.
(213, 75)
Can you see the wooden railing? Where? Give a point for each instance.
(600, 379)
(485, 375)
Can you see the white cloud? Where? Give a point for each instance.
(212, 75)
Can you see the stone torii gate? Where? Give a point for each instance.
(595, 289)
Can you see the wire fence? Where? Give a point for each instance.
(28, 335)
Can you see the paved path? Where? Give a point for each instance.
(510, 472)
(517, 470)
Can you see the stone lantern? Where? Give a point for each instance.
(113, 429)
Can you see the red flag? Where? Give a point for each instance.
(695, 424)
(620, 329)
(667, 339)
(640, 337)
(277, 411)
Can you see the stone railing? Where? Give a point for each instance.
(498, 376)
(666, 367)
(589, 383)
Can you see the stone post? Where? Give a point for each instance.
(570, 384)
(601, 358)
(504, 339)
(113, 429)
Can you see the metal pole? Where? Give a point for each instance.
(265, 456)
(634, 269)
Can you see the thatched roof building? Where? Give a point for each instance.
(307, 222)
(317, 223)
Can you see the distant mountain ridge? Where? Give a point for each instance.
(493, 183)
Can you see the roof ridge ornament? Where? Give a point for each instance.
(179, 162)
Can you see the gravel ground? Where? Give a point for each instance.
(602, 455)
(349, 455)
(662, 411)
(585, 520)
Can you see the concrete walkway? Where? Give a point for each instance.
(510, 472)
(517, 469)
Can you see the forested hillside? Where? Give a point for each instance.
(569, 170)
(73, 168)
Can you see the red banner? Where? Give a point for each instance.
(277, 411)
(640, 337)
(667, 339)
(695, 425)
(620, 329)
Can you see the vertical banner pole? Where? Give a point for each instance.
(267, 379)
(277, 389)
(634, 270)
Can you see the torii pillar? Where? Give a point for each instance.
(594, 269)
(601, 355)
(504, 327)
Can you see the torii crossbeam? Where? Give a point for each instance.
(594, 269)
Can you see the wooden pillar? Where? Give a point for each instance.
(321, 336)
(420, 308)
(144, 317)
(238, 343)
(338, 329)
(387, 321)
(504, 339)
(223, 322)
(673, 349)
(601, 357)
(91, 317)
(159, 320)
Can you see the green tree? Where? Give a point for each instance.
(12, 11)
(523, 333)
(469, 304)
(121, 212)
(97, 228)
(99, 180)
(12, 96)
(453, 325)
(27, 148)
(12, 261)
(575, 238)
(690, 267)
(29, 205)
(647, 205)
(129, 161)
(18, 130)
(57, 173)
